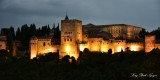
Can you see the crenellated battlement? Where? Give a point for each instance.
(71, 21)
(138, 43)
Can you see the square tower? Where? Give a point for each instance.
(149, 43)
(71, 36)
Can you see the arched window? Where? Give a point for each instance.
(44, 44)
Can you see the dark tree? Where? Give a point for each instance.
(110, 52)
(12, 32)
(38, 32)
(54, 26)
(66, 58)
(32, 30)
(156, 32)
(86, 50)
(8, 33)
(18, 34)
(143, 33)
(25, 35)
(122, 53)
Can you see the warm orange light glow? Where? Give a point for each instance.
(83, 46)
(120, 48)
(33, 55)
(134, 48)
(68, 49)
(48, 50)
(71, 52)
(104, 49)
(95, 48)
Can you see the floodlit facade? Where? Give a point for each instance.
(101, 38)
(71, 36)
(117, 30)
(42, 45)
(3, 42)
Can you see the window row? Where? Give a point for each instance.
(114, 31)
(44, 44)
(69, 39)
(67, 32)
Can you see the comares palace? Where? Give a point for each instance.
(75, 37)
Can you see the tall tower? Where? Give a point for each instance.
(33, 47)
(71, 36)
(149, 43)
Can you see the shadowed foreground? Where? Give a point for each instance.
(89, 66)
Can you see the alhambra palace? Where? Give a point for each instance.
(75, 37)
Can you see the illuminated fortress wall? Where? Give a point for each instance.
(73, 41)
(33, 47)
(157, 46)
(3, 42)
(95, 44)
(3, 45)
(44, 45)
(41, 46)
(100, 45)
(149, 43)
(136, 46)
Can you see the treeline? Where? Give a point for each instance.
(25, 32)
(89, 66)
(155, 32)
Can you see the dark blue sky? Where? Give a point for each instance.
(142, 13)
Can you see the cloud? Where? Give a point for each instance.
(145, 13)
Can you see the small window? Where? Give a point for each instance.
(44, 44)
(67, 39)
(71, 40)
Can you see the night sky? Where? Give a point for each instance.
(142, 13)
